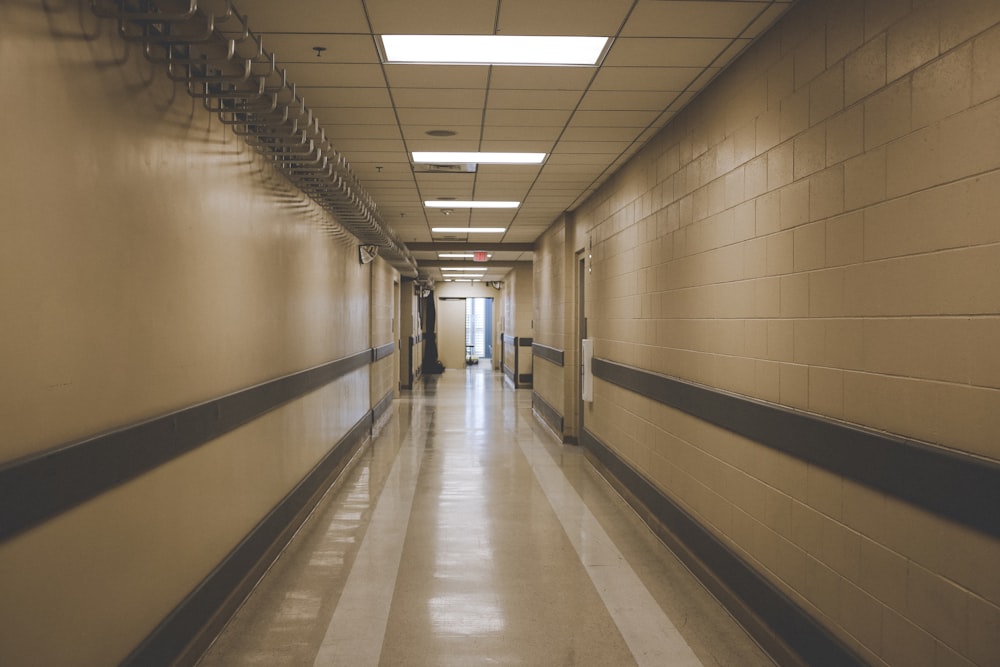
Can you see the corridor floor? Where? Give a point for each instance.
(467, 535)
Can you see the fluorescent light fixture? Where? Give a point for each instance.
(493, 49)
(477, 269)
(458, 157)
(441, 203)
(468, 230)
(457, 255)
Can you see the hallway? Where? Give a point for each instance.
(467, 535)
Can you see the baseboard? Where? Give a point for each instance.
(782, 628)
(182, 637)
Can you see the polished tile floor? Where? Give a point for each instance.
(467, 535)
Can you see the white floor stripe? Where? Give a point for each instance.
(357, 629)
(650, 635)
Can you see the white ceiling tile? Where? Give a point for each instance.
(504, 192)
(304, 16)
(541, 78)
(437, 76)
(693, 18)
(453, 17)
(459, 181)
(463, 135)
(664, 52)
(349, 75)
(521, 133)
(394, 171)
(426, 98)
(335, 132)
(607, 147)
(578, 159)
(447, 144)
(440, 118)
(516, 147)
(533, 99)
(638, 119)
(658, 79)
(562, 17)
(317, 97)
(584, 133)
(360, 116)
(515, 117)
(350, 146)
(375, 158)
(626, 100)
(512, 172)
(298, 47)
(559, 179)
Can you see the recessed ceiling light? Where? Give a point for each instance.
(469, 230)
(493, 49)
(472, 204)
(459, 255)
(473, 269)
(455, 157)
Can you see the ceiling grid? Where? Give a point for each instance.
(590, 120)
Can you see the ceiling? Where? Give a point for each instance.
(590, 120)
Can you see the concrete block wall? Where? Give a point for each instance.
(384, 372)
(550, 314)
(819, 230)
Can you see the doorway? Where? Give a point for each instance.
(478, 330)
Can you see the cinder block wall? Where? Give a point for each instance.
(819, 230)
(550, 314)
(383, 325)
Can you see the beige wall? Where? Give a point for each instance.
(518, 301)
(552, 321)
(149, 262)
(518, 314)
(451, 319)
(385, 372)
(819, 230)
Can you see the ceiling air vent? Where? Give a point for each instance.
(427, 168)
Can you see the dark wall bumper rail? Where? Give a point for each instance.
(547, 413)
(37, 488)
(783, 628)
(382, 351)
(514, 373)
(190, 628)
(550, 354)
(957, 486)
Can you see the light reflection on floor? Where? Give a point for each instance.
(488, 571)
